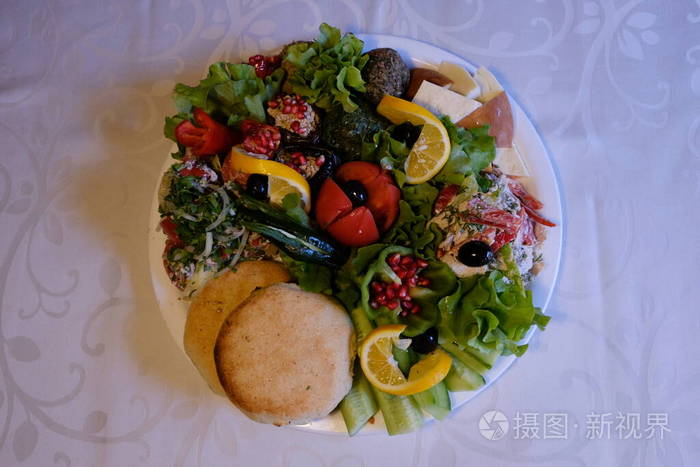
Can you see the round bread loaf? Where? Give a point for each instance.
(285, 356)
(212, 305)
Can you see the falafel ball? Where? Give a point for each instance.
(385, 73)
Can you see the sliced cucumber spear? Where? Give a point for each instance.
(401, 413)
(462, 378)
(359, 404)
(435, 401)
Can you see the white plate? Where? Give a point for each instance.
(542, 184)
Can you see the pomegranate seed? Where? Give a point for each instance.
(276, 136)
(416, 309)
(287, 109)
(303, 108)
(320, 160)
(377, 286)
(298, 96)
(381, 299)
(403, 292)
(406, 304)
(302, 160)
(273, 104)
(374, 304)
(300, 116)
(295, 126)
(422, 263)
(390, 293)
(392, 305)
(412, 281)
(394, 259)
(406, 260)
(423, 282)
(287, 100)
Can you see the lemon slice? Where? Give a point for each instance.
(380, 368)
(282, 179)
(432, 148)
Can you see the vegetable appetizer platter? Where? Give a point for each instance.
(358, 234)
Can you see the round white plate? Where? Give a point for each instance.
(542, 184)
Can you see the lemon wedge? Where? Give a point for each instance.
(382, 371)
(432, 148)
(282, 179)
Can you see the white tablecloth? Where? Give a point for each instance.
(89, 374)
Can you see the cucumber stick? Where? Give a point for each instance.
(462, 378)
(359, 405)
(435, 401)
(466, 357)
(401, 414)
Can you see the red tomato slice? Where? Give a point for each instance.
(205, 138)
(526, 198)
(363, 172)
(383, 201)
(331, 203)
(537, 218)
(355, 229)
(169, 229)
(445, 197)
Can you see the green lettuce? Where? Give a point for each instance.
(386, 151)
(326, 71)
(412, 228)
(491, 312)
(311, 277)
(230, 92)
(472, 151)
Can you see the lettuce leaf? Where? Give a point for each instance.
(412, 228)
(328, 70)
(388, 152)
(310, 276)
(472, 151)
(230, 92)
(489, 312)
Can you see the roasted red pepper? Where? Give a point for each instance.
(362, 224)
(206, 136)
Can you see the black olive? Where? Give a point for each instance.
(406, 133)
(426, 342)
(257, 186)
(356, 192)
(475, 254)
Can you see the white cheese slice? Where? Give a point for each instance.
(441, 101)
(511, 162)
(490, 86)
(462, 80)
